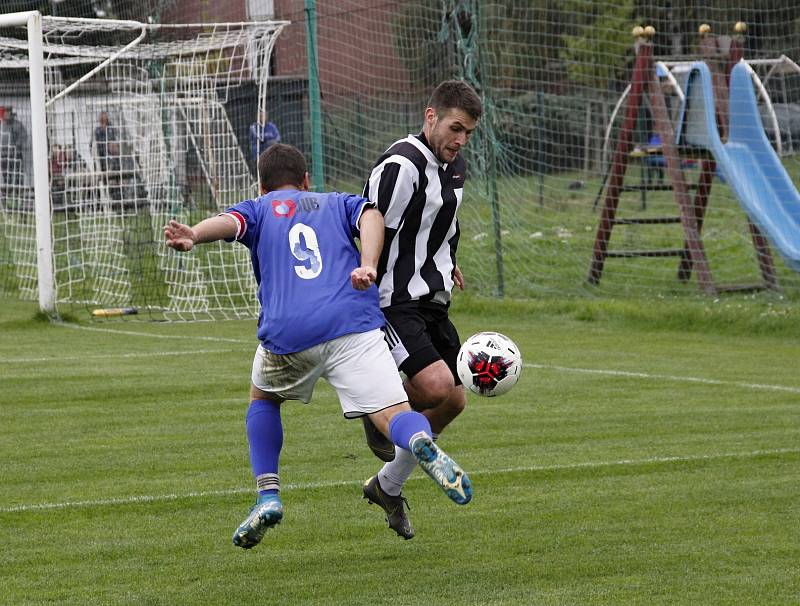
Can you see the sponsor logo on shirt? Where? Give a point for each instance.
(284, 208)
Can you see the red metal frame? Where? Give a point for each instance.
(643, 62)
(692, 212)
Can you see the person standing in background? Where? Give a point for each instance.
(263, 134)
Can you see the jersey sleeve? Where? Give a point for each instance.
(391, 186)
(246, 216)
(354, 207)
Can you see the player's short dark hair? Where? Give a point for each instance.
(456, 94)
(281, 165)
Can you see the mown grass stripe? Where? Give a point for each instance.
(58, 358)
(332, 484)
(599, 371)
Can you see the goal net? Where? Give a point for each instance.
(555, 79)
(551, 76)
(144, 123)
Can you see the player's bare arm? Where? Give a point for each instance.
(371, 227)
(182, 238)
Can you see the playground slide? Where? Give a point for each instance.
(747, 161)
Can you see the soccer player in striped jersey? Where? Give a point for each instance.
(417, 185)
(319, 318)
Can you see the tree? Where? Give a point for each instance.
(424, 43)
(595, 54)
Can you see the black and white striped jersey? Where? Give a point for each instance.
(418, 196)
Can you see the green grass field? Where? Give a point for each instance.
(649, 455)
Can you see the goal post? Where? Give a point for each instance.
(345, 82)
(131, 124)
(32, 21)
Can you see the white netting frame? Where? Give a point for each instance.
(162, 116)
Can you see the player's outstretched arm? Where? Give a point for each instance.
(371, 228)
(182, 238)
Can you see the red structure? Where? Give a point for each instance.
(691, 211)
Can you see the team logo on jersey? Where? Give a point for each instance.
(309, 204)
(284, 208)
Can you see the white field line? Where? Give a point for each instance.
(56, 358)
(333, 484)
(597, 371)
(133, 333)
(676, 378)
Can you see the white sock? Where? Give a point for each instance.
(395, 473)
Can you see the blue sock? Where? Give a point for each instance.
(265, 436)
(404, 425)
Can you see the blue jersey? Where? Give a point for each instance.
(302, 248)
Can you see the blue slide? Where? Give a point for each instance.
(747, 161)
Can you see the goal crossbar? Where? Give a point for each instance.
(88, 204)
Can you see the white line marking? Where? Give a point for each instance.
(133, 333)
(679, 379)
(616, 373)
(333, 484)
(56, 358)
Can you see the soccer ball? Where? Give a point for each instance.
(489, 364)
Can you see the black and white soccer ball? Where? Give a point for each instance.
(489, 364)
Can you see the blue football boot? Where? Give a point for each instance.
(442, 469)
(266, 513)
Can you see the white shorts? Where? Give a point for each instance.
(359, 366)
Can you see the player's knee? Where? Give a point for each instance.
(433, 387)
(456, 401)
(439, 392)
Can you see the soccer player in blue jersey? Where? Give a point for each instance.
(319, 318)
